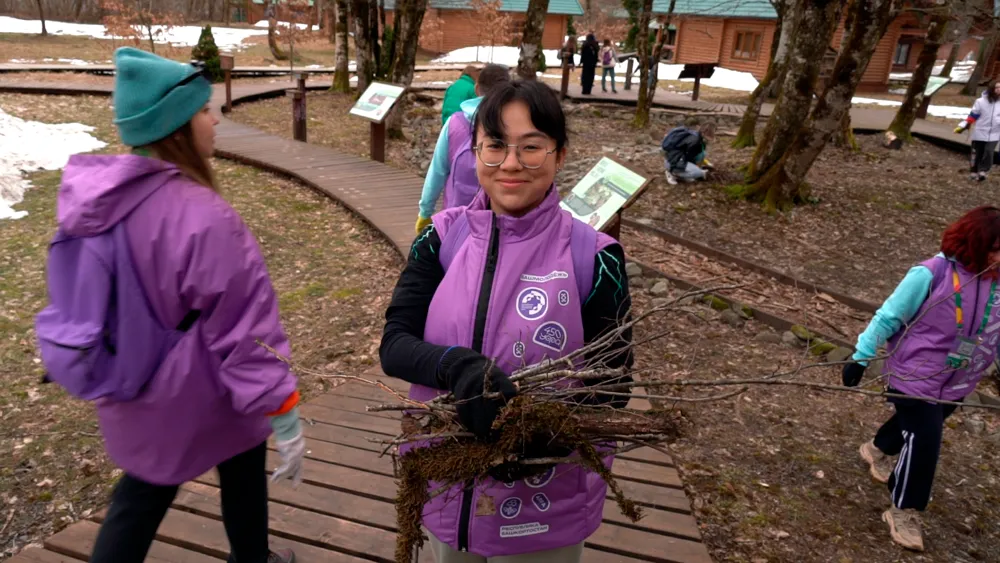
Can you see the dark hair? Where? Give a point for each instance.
(607, 42)
(991, 91)
(970, 239)
(543, 107)
(490, 76)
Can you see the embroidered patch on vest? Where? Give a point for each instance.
(519, 530)
(485, 506)
(551, 335)
(541, 501)
(563, 298)
(510, 508)
(553, 275)
(532, 303)
(540, 480)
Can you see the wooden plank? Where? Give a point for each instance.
(36, 555)
(651, 547)
(344, 436)
(350, 420)
(359, 406)
(301, 525)
(78, 541)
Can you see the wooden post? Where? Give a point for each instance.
(300, 81)
(564, 86)
(227, 62)
(628, 74)
(298, 114)
(697, 84)
(377, 141)
(614, 229)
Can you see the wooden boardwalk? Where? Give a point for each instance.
(343, 511)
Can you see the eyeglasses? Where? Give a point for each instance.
(202, 72)
(531, 155)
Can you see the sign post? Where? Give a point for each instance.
(599, 198)
(628, 74)
(298, 113)
(564, 85)
(374, 105)
(227, 63)
(697, 71)
(934, 84)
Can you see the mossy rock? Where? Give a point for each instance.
(714, 302)
(821, 348)
(743, 311)
(802, 333)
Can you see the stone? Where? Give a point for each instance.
(660, 302)
(425, 165)
(638, 283)
(633, 270)
(732, 318)
(768, 337)
(660, 288)
(994, 438)
(742, 310)
(975, 425)
(839, 354)
(802, 333)
(789, 338)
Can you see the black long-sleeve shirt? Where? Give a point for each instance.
(404, 353)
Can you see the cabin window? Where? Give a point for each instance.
(902, 54)
(747, 45)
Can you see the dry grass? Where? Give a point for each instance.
(333, 274)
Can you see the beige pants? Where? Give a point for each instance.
(444, 554)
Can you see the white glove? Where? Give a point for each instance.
(292, 452)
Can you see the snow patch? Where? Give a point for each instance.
(27, 146)
(948, 112)
(226, 38)
(263, 24)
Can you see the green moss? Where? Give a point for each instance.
(346, 292)
(821, 348)
(744, 311)
(802, 332)
(715, 302)
(737, 191)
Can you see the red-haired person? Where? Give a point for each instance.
(940, 328)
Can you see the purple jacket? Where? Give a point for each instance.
(209, 399)
(917, 356)
(463, 183)
(534, 312)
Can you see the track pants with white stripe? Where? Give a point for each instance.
(914, 434)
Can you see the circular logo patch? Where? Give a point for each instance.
(532, 303)
(541, 501)
(510, 508)
(519, 349)
(540, 480)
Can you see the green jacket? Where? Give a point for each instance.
(463, 89)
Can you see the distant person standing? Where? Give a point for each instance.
(568, 52)
(609, 58)
(463, 89)
(589, 54)
(985, 115)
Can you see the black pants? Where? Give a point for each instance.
(982, 155)
(914, 434)
(137, 508)
(587, 78)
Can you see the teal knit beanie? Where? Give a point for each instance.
(155, 96)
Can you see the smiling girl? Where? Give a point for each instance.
(508, 281)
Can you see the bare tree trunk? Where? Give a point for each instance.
(360, 14)
(961, 34)
(907, 113)
(409, 15)
(642, 48)
(780, 56)
(815, 23)
(341, 76)
(746, 137)
(41, 16)
(228, 9)
(644, 105)
(783, 184)
(844, 137)
(531, 40)
(984, 58)
(272, 26)
(373, 35)
(77, 10)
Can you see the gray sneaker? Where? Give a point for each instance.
(879, 465)
(904, 527)
(281, 556)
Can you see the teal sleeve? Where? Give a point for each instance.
(286, 426)
(437, 174)
(897, 310)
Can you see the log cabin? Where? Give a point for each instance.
(737, 35)
(463, 29)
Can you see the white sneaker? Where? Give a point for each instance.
(671, 179)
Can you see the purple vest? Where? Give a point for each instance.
(462, 184)
(534, 313)
(917, 361)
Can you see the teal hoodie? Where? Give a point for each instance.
(437, 173)
(897, 310)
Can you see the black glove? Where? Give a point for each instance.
(852, 374)
(537, 447)
(464, 372)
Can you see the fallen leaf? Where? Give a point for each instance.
(44, 483)
(826, 298)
